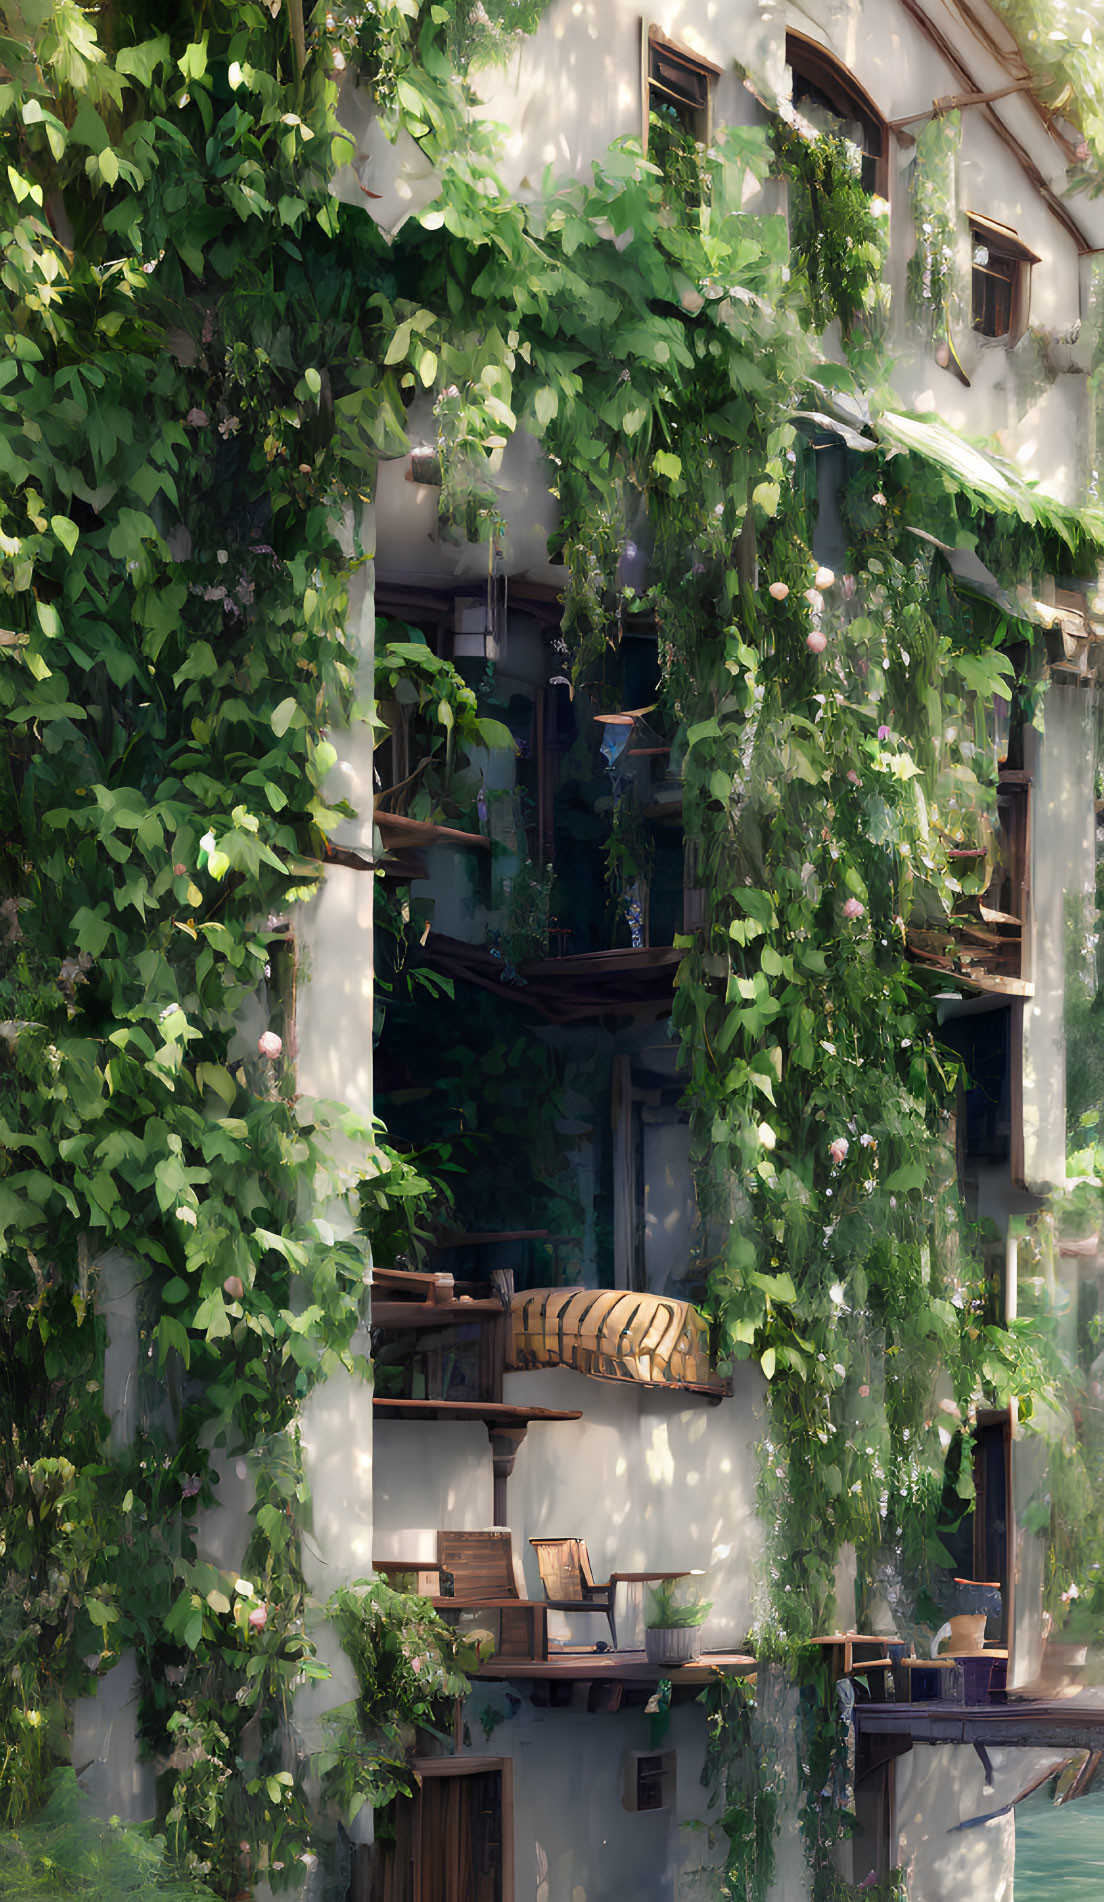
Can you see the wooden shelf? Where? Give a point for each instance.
(625, 1667)
(415, 1314)
(1068, 1723)
(418, 832)
(494, 1414)
(573, 989)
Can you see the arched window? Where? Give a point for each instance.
(825, 93)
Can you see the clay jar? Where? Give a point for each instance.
(964, 1633)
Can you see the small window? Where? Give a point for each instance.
(825, 93)
(648, 1780)
(1001, 280)
(676, 87)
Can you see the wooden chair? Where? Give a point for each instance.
(481, 1565)
(569, 1583)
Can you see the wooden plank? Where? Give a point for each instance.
(418, 1314)
(1068, 1724)
(420, 832)
(491, 1412)
(484, 1236)
(624, 1174)
(412, 1280)
(625, 1667)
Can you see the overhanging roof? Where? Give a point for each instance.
(992, 482)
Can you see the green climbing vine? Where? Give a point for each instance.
(206, 354)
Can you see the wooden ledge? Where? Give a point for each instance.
(418, 832)
(493, 1413)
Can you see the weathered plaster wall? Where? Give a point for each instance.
(941, 1785)
(1063, 870)
(576, 86)
(334, 1061)
(573, 1839)
(647, 1478)
(105, 1746)
(431, 1474)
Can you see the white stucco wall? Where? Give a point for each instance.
(941, 1785)
(575, 86)
(573, 1839)
(647, 1478)
(1063, 864)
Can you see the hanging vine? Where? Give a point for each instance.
(206, 354)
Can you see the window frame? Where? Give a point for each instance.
(655, 45)
(1002, 242)
(808, 60)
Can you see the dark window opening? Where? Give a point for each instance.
(649, 1783)
(825, 93)
(677, 89)
(994, 291)
(648, 1780)
(1001, 282)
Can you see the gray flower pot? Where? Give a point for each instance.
(677, 1645)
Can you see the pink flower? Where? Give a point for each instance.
(823, 578)
(883, 733)
(269, 1044)
(816, 642)
(864, 1393)
(854, 778)
(778, 590)
(197, 418)
(838, 1150)
(258, 1618)
(853, 909)
(234, 1287)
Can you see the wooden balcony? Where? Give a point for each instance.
(981, 945)
(637, 983)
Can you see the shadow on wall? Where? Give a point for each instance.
(648, 1479)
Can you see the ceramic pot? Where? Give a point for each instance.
(965, 1632)
(673, 1645)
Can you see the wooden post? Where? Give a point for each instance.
(624, 1174)
(505, 1441)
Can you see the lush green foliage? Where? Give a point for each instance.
(839, 234)
(1060, 42)
(435, 717)
(932, 275)
(69, 1851)
(410, 1669)
(743, 1775)
(206, 353)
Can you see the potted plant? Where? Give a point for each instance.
(675, 1615)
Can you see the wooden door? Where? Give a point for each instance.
(453, 1839)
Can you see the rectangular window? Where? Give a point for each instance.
(648, 1780)
(1001, 281)
(677, 87)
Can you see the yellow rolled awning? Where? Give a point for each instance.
(613, 1334)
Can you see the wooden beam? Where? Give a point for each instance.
(1053, 203)
(954, 101)
(1060, 1726)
